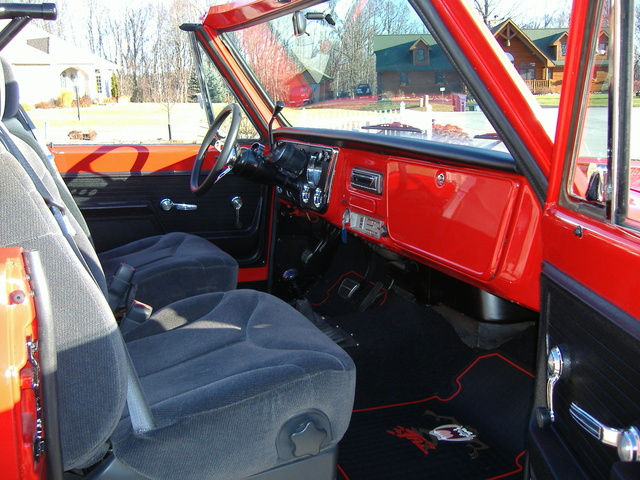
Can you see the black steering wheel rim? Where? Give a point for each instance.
(224, 156)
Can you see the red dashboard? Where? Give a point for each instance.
(477, 224)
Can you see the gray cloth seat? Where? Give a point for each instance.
(238, 383)
(233, 369)
(173, 266)
(168, 267)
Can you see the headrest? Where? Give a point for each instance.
(11, 98)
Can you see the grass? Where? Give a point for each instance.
(595, 100)
(123, 122)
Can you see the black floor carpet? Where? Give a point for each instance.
(475, 432)
(418, 385)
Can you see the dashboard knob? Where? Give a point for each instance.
(317, 198)
(306, 193)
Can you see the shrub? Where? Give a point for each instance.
(450, 134)
(78, 135)
(26, 106)
(44, 105)
(64, 100)
(85, 101)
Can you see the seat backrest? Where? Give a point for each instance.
(91, 367)
(16, 127)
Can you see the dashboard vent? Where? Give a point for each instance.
(367, 180)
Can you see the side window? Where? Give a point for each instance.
(605, 176)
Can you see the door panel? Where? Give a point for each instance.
(122, 205)
(600, 347)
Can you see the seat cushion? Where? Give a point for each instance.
(172, 267)
(223, 373)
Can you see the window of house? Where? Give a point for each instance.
(404, 78)
(420, 56)
(439, 78)
(563, 49)
(602, 47)
(527, 73)
(98, 82)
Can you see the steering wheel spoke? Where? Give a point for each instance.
(225, 145)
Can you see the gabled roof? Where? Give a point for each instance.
(419, 43)
(394, 53)
(35, 46)
(541, 48)
(545, 39)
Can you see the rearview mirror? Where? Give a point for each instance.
(299, 23)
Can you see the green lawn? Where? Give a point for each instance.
(595, 100)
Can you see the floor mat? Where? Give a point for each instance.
(475, 432)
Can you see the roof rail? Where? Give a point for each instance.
(21, 14)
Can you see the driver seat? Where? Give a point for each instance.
(167, 267)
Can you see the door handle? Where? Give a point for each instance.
(236, 203)
(627, 441)
(166, 204)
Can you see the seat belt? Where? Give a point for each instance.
(120, 284)
(57, 210)
(119, 287)
(139, 412)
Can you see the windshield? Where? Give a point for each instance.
(363, 66)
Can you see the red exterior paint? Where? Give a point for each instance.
(605, 258)
(492, 67)
(240, 14)
(127, 158)
(17, 400)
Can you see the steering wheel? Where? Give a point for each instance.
(227, 151)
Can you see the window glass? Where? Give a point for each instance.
(593, 180)
(219, 95)
(369, 67)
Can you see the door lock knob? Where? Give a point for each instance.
(236, 203)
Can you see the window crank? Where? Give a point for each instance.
(555, 369)
(166, 204)
(237, 203)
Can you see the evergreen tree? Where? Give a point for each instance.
(115, 93)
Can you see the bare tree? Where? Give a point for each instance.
(136, 24)
(491, 10)
(61, 27)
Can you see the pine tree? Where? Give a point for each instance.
(115, 93)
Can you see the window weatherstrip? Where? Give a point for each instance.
(620, 101)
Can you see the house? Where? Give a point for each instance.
(415, 64)
(45, 66)
(539, 55)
